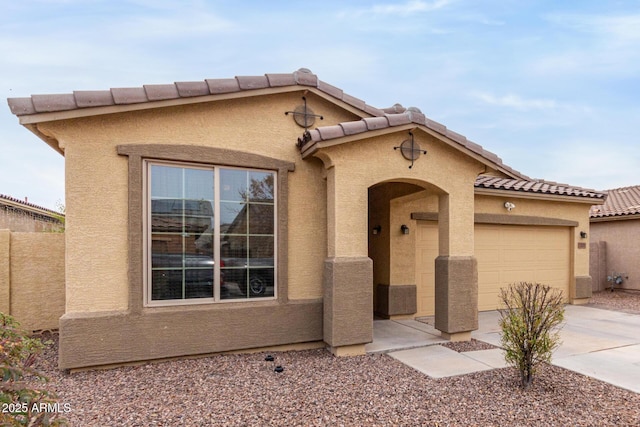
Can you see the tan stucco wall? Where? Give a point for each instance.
(359, 165)
(403, 246)
(622, 251)
(96, 180)
(37, 294)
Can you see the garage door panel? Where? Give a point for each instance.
(506, 254)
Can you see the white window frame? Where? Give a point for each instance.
(146, 223)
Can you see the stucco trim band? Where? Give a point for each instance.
(504, 219)
(395, 300)
(94, 339)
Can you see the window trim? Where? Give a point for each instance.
(147, 277)
(137, 153)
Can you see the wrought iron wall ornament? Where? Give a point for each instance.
(304, 115)
(410, 149)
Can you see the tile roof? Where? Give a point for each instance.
(620, 202)
(394, 116)
(77, 100)
(8, 200)
(536, 186)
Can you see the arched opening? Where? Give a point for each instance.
(393, 235)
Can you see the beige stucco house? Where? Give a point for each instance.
(615, 233)
(277, 210)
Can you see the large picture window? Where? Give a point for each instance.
(211, 233)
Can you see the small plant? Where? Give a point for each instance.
(529, 323)
(20, 404)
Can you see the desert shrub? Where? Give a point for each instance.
(530, 325)
(20, 404)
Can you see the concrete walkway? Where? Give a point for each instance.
(602, 344)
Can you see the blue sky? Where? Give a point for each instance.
(552, 87)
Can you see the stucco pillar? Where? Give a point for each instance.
(456, 268)
(5, 273)
(348, 271)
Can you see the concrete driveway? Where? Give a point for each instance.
(602, 344)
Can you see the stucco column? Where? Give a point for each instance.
(456, 268)
(348, 271)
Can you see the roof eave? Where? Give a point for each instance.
(538, 196)
(149, 105)
(610, 218)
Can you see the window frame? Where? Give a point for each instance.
(147, 164)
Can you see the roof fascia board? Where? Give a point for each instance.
(614, 218)
(538, 196)
(123, 108)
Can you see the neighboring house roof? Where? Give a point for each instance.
(29, 207)
(37, 108)
(621, 202)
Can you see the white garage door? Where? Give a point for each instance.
(506, 254)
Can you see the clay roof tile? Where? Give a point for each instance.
(49, 103)
(398, 119)
(252, 82)
(222, 85)
(374, 123)
(21, 106)
(189, 89)
(331, 132)
(132, 95)
(352, 128)
(277, 80)
(161, 92)
(93, 98)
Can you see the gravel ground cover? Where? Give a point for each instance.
(317, 389)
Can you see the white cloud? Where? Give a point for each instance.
(412, 6)
(516, 102)
(600, 45)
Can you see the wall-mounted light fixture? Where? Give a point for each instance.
(583, 234)
(509, 206)
(404, 229)
(377, 229)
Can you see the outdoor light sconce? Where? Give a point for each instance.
(583, 234)
(377, 229)
(404, 229)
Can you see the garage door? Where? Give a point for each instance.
(509, 254)
(505, 253)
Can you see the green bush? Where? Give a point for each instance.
(530, 326)
(20, 404)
